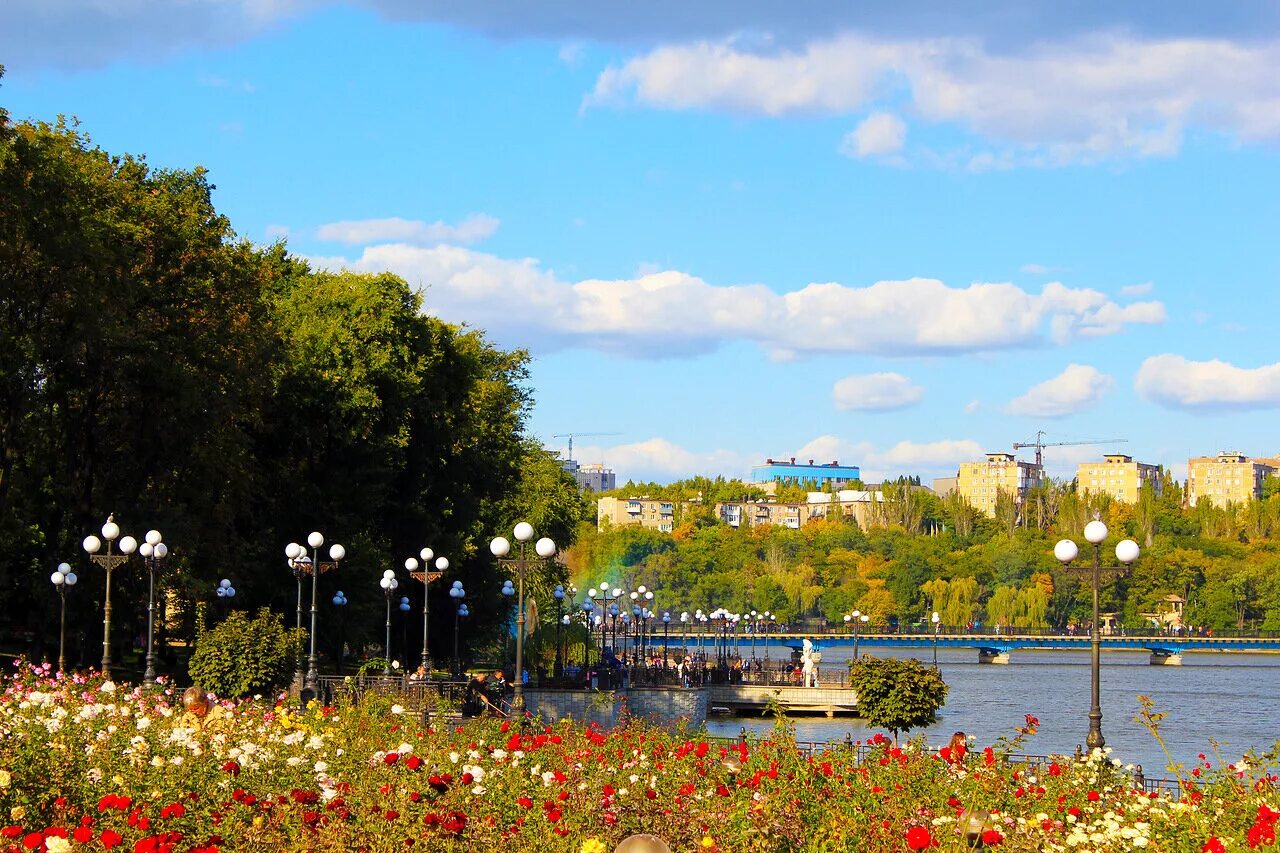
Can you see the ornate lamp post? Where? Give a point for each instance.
(152, 551)
(1126, 552)
(317, 568)
(300, 564)
(856, 619)
(558, 668)
(457, 593)
(768, 625)
(108, 561)
(500, 548)
(405, 607)
(937, 625)
(225, 591)
(62, 580)
(426, 576)
(340, 602)
(389, 585)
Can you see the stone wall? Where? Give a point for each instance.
(607, 708)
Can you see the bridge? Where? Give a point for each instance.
(1165, 649)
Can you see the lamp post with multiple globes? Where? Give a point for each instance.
(426, 576)
(153, 551)
(63, 579)
(302, 565)
(389, 585)
(108, 561)
(937, 625)
(500, 548)
(1095, 532)
(457, 593)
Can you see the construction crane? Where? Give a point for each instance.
(572, 435)
(1039, 444)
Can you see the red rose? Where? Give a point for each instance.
(391, 758)
(83, 834)
(1213, 845)
(992, 837)
(1093, 796)
(525, 803)
(110, 838)
(33, 841)
(918, 838)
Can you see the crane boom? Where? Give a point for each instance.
(572, 435)
(1040, 444)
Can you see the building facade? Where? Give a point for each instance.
(592, 477)
(1117, 475)
(817, 476)
(981, 482)
(1229, 477)
(756, 513)
(659, 515)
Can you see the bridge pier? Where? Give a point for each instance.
(989, 655)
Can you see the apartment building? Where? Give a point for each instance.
(857, 504)
(1116, 475)
(981, 482)
(646, 512)
(1229, 477)
(591, 477)
(756, 513)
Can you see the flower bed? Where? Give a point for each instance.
(88, 765)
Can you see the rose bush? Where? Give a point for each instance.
(90, 765)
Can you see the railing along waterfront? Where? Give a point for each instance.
(1037, 764)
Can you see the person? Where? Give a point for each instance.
(419, 674)
(956, 748)
(476, 700)
(497, 692)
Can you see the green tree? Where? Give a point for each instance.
(243, 656)
(898, 695)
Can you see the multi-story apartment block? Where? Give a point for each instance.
(981, 482)
(755, 513)
(646, 512)
(1117, 475)
(1229, 477)
(592, 477)
(815, 476)
(857, 504)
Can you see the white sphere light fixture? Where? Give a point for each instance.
(337, 552)
(110, 531)
(1096, 532)
(500, 547)
(544, 547)
(128, 545)
(1066, 551)
(523, 531)
(153, 537)
(293, 550)
(411, 564)
(1127, 551)
(315, 539)
(442, 563)
(91, 544)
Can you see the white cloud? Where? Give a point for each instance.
(875, 392)
(673, 313)
(878, 133)
(1083, 100)
(932, 458)
(972, 406)
(472, 229)
(1137, 289)
(659, 460)
(1034, 269)
(1180, 383)
(1074, 389)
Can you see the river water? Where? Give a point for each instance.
(1230, 698)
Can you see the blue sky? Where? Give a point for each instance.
(897, 237)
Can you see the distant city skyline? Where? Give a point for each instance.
(897, 235)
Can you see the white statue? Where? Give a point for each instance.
(809, 659)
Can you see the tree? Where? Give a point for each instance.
(243, 656)
(898, 695)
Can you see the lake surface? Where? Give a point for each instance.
(1231, 698)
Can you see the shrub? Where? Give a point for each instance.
(898, 695)
(244, 656)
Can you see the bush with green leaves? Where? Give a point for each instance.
(243, 656)
(898, 695)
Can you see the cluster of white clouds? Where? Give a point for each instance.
(1075, 389)
(875, 392)
(1212, 385)
(673, 313)
(359, 232)
(1085, 99)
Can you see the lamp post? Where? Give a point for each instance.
(937, 624)
(1126, 552)
(856, 619)
(340, 602)
(405, 607)
(389, 585)
(457, 593)
(426, 576)
(108, 561)
(558, 668)
(153, 551)
(768, 626)
(317, 568)
(62, 580)
(500, 548)
(666, 636)
(300, 564)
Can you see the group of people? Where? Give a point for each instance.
(485, 696)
